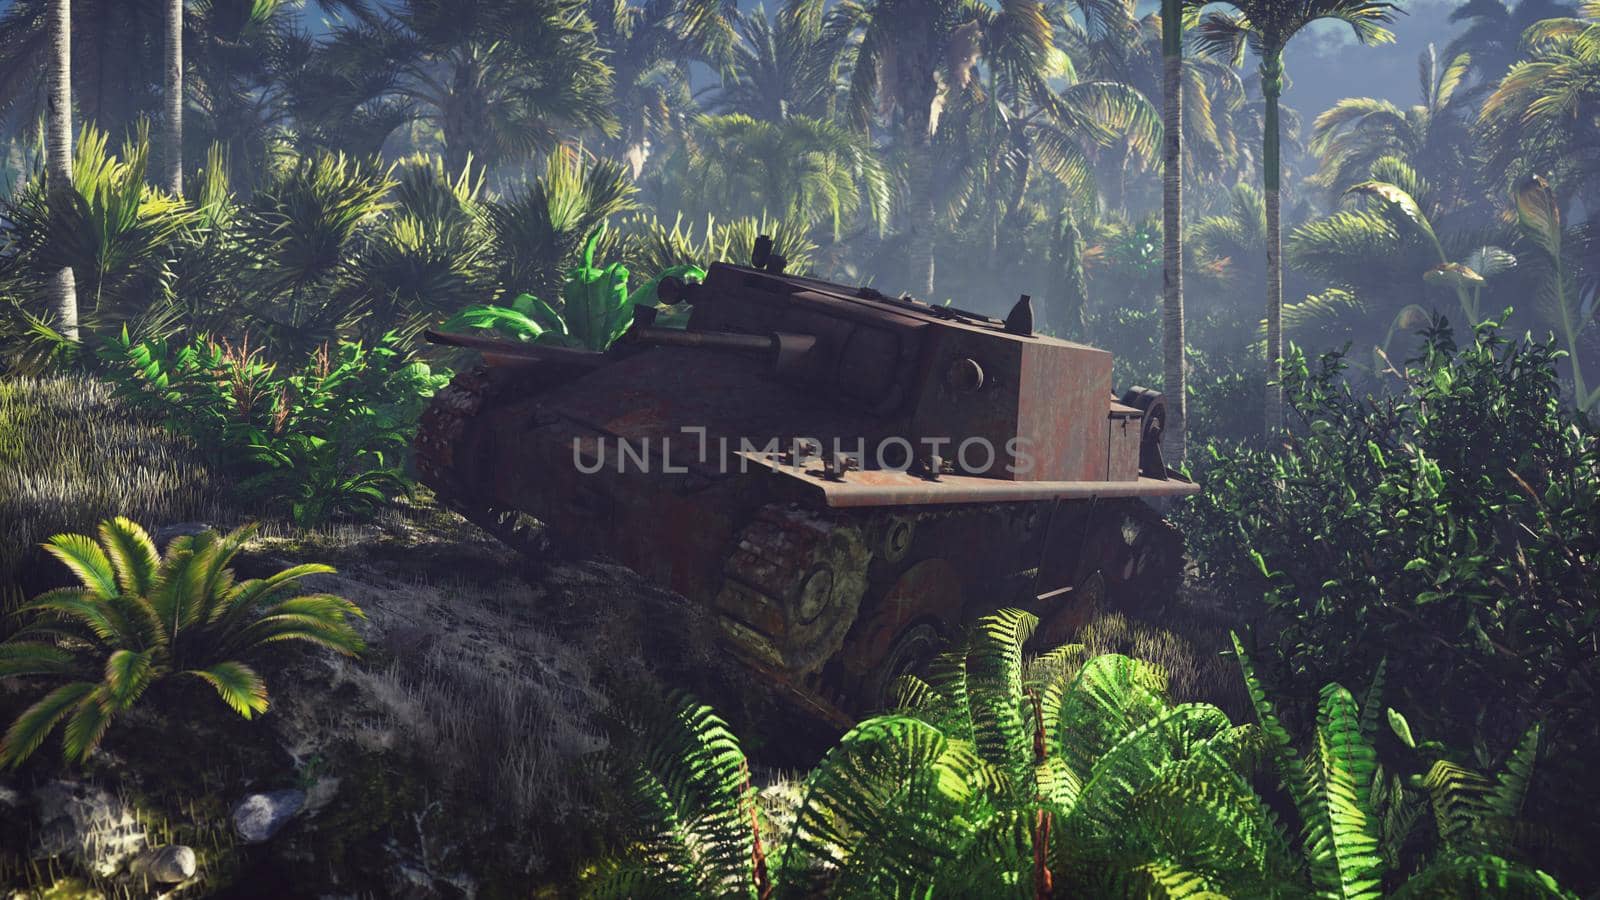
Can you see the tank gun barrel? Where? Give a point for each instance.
(784, 350)
(516, 351)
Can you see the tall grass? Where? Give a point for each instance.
(71, 456)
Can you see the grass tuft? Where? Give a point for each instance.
(71, 456)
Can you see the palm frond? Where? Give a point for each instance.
(37, 721)
(237, 684)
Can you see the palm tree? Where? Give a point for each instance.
(1430, 136)
(496, 80)
(798, 169)
(1381, 260)
(58, 138)
(1132, 51)
(173, 169)
(788, 64)
(1172, 340)
(1494, 29)
(915, 59)
(1544, 116)
(650, 48)
(1267, 26)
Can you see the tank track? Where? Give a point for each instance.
(441, 431)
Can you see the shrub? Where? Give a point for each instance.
(1452, 526)
(1064, 778)
(985, 782)
(139, 617)
(331, 437)
(596, 306)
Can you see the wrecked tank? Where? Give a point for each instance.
(844, 477)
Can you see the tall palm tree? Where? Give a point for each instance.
(173, 160)
(1544, 117)
(650, 47)
(1132, 51)
(1493, 32)
(917, 65)
(913, 55)
(1267, 26)
(58, 138)
(1430, 136)
(1172, 339)
(785, 64)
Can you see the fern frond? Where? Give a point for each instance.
(1112, 696)
(882, 811)
(81, 605)
(1511, 785)
(1453, 878)
(1001, 727)
(19, 658)
(1459, 798)
(127, 674)
(1346, 763)
(87, 726)
(703, 779)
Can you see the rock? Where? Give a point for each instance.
(165, 865)
(166, 533)
(87, 824)
(260, 816)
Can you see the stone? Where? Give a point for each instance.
(171, 864)
(258, 817)
(87, 824)
(164, 534)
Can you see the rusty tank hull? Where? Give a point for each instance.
(843, 477)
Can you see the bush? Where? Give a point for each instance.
(330, 438)
(139, 617)
(1452, 527)
(1067, 776)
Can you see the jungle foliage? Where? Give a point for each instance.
(1449, 526)
(1063, 775)
(139, 617)
(329, 437)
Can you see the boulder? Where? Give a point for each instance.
(164, 534)
(165, 865)
(258, 817)
(87, 824)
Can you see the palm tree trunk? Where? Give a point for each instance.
(174, 97)
(1271, 88)
(919, 245)
(1172, 337)
(58, 140)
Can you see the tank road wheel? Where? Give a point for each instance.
(900, 633)
(792, 588)
(913, 649)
